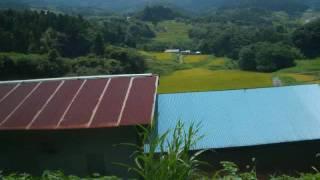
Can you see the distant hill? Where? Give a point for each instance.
(133, 5)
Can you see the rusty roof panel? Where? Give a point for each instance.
(50, 116)
(8, 105)
(25, 114)
(77, 102)
(139, 108)
(81, 110)
(110, 107)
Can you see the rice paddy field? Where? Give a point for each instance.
(200, 79)
(196, 58)
(163, 56)
(172, 32)
(206, 73)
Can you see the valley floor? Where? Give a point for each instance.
(206, 73)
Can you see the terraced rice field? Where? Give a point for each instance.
(206, 73)
(200, 79)
(195, 58)
(163, 56)
(172, 32)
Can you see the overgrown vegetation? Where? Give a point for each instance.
(26, 66)
(54, 175)
(169, 156)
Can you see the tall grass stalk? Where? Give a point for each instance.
(168, 156)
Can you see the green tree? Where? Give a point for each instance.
(307, 39)
(267, 57)
(53, 55)
(98, 47)
(50, 40)
(156, 14)
(247, 59)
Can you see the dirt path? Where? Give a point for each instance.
(180, 58)
(276, 81)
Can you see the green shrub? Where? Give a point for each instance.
(231, 171)
(267, 57)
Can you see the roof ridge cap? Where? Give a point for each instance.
(76, 78)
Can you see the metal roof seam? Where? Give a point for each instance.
(11, 91)
(20, 104)
(98, 103)
(77, 78)
(78, 104)
(245, 118)
(125, 101)
(154, 99)
(44, 105)
(71, 102)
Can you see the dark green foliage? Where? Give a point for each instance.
(19, 66)
(227, 31)
(131, 61)
(98, 47)
(30, 31)
(247, 16)
(71, 36)
(307, 38)
(267, 57)
(7, 67)
(289, 6)
(102, 6)
(223, 40)
(53, 55)
(53, 175)
(95, 66)
(156, 14)
(22, 66)
(121, 31)
(247, 59)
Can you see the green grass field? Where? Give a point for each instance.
(304, 66)
(195, 58)
(163, 56)
(172, 32)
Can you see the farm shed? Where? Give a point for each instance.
(172, 51)
(72, 124)
(279, 127)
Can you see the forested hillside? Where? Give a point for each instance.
(199, 6)
(57, 45)
(42, 43)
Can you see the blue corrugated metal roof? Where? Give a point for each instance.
(245, 117)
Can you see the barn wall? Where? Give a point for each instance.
(274, 158)
(79, 152)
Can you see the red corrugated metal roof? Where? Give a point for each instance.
(77, 103)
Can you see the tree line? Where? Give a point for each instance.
(27, 66)
(258, 40)
(45, 44)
